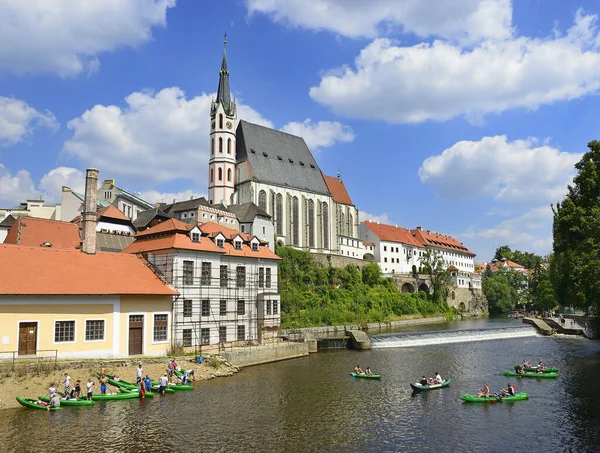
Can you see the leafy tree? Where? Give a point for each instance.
(371, 274)
(575, 267)
(435, 267)
(501, 296)
(503, 251)
(526, 259)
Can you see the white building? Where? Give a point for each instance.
(126, 202)
(227, 281)
(32, 208)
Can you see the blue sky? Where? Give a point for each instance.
(462, 117)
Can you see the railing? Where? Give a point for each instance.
(31, 361)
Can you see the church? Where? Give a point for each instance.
(276, 171)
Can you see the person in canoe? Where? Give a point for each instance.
(541, 366)
(54, 401)
(358, 370)
(510, 390)
(438, 379)
(368, 371)
(77, 389)
(485, 391)
(424, 382)
(520, 369)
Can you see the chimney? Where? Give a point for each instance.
(89, 214)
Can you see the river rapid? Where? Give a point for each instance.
(312, 404)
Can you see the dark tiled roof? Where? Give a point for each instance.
(107, 242)
(144, 218)
(247, 212)
(278, 158)
(8, 221)
(187, 205)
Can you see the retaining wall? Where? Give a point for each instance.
(266, 353)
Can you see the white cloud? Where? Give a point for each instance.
(65, 37)
(439, 81)
(464, 20)
(154, 196)
(381, 218)
(511, 172)
(155, 137)
(15, 188)
(322, 134)
(52, 182)
(18, 119)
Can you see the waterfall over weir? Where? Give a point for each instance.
(405, 340)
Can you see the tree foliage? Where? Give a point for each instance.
(525, 259)
(501, 296)
(434, 266)
(575, 268)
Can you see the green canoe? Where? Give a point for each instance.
(156, 388)
(531, 375)
(493, 399)
(119, 383)
(71, 402)
(115, 396)
(534, 369)
(366, 376)
(425, 388)
(135, 390)
(35, 404)
(173, 386)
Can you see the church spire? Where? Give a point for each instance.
(223, 93)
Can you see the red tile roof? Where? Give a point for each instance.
(170, 226)
(171, 241)
(212, 229)
(338, 190)
(496, 266)
(392, 233)
(368, 244)
(110, 212)
(34, 232)
(264, 252)
(442, 241)
(49, 271)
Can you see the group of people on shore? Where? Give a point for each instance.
(70, 391)
(358, 370)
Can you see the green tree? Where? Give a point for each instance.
(435, 267)
(501, 296)
(575, 267)
(371, 274)
(503, 251)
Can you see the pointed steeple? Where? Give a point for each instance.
(223, 93)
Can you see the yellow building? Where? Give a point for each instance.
(81, 305)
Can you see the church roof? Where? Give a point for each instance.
(223, 92)
(338, 190)
(278, 158)
(247, 212)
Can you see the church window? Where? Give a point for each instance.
(229, 174)
(311, 223)
(220, 121)
(220, 174)
(262, 200)
(350, 229)
(212, 146)
(212, 175)
(295, 222)
(228, 146)
(279, 214)
(342, 225)
(220, 144)
(325, 226)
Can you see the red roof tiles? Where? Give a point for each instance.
(338, 190)
(35, 232)
(427, 238)
(110, 212)
(392, 233)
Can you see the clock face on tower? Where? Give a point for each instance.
(213, 125)
(229, 124)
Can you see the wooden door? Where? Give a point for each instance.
(136, 334)
(27, 338)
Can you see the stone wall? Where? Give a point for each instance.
(473, 299)
(338, 260)
(256, 355)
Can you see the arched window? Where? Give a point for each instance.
(325, 226)
(229, 174)
(212, 175)
(220, 121)
(220, 174)
(212, 146)
(350, 225)
(279, 214)
(228, 146)
(262, 200)
(311, 224)
(295, 222)
(220, 144)
(342, 225)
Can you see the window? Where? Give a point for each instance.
(205, 307)
(223, 276)
(187, 337)
(223, 307)
(385, 260)
(241, 333)
(268, 307)
(205, 275)
(241, 276)
(212, 175)
(204, 336)
(64, 331)
(255, 246)
(220, 173)
(241, 307)
(195, 236)
(184, 215)
(220, 144)
(212, 146)
(222, 334)
(94, 330)
(243, 228)
(220, 243)
(325, 226)
(385, 248)
(279, 214)
(220, 121)
(311, 223)
(188, 272)
(229, 174)
(261, 277)
(160, 327)
(295, 222)
(238, 245)
(187, 308)
(228, 146)
(262, 200)
(268, 277)
(274, 307)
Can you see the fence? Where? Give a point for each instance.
(43, 359)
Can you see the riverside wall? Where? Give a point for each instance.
(256, 355)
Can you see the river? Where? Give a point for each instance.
(312, 404)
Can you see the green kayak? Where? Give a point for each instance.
(531, 375)
(534, 369)
(366, 376)
(156, 388)
(173, 386)
(425, 388)
(71, 402)
(492, 398)
(35, 404)
(119, 382)
(135, 390)
(115, 396)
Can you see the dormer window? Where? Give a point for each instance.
(195, 237)
(220, 243)
(255, 246)
(238, 245)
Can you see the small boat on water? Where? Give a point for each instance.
(32, 403)
(70, 402)
(156, 388)
(115, 396)
(425, 388)
(136, 390)
(118, 382)
(494, 398)
(534, 369)
(366, 376)
(173, 386)
(531, 375)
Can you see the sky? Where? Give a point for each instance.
(463, 117)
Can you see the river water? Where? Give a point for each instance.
(312, 404)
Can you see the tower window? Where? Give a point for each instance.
(229, 174)
(220, 174)
(212, 146)
(212, 175)
(228, 146)
(220, 144)
(220, 121)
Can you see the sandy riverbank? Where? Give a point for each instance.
(34, 385)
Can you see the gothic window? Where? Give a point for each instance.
(220, 144)
(229, 174)
(212, 174)
(279, 214)
(295, 222)
(228, 146)
(220, 174)
(220, 121)
(311, 223)
(212, 146)
(262, 200)
(325, 226)
(350, 225)
(342, 224)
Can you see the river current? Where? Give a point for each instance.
(312, 404)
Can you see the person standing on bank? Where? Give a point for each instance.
(140, 373)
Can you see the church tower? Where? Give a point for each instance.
(223, 123)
